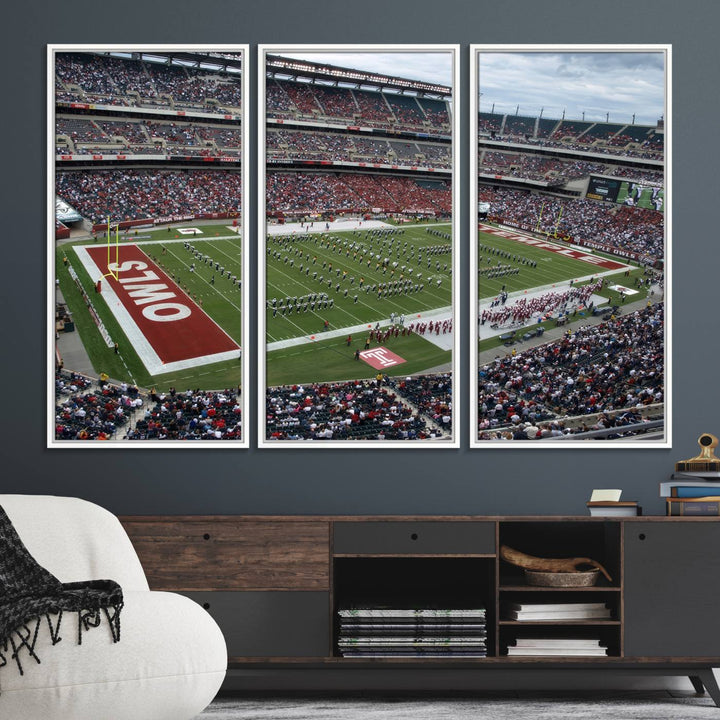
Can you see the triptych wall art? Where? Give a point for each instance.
(359, 272)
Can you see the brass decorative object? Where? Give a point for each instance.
(551, 565)
(705, 461)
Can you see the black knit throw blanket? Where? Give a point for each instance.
(29, 595)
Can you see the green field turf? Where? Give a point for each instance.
(221, 301)
(333, 360)
(218, 296)
(354, 262)
(551, 267)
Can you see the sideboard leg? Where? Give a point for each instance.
(708, 680)
(697, 684)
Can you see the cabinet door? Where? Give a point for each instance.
(270, 624)
(672, 578)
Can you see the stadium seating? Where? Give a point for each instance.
(105, 411)
(192, 415)
(518, 125)
(355, 410)
(82, 413)
(88, 77)
(640, 141)
(80, 130)
(536, 167)
(600, 132)
(489, 122)
(614, 365)
(140, 194)
(349, 192)
(546, 127)
(431, 394)
(633, 229)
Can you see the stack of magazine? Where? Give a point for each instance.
(375, 632)
(567, 647)
(541, 612)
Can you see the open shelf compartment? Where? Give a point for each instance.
(414, 583)
(600, 541)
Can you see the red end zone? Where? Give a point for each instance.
(554, 247)
(176, 329)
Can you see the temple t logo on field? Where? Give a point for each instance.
(381, 358)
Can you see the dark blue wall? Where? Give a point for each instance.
(506, 481)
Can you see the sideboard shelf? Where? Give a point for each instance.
(557, 623)
(536, 588)
(275, 584)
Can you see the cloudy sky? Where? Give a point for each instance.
(433, 67)
(618, 83)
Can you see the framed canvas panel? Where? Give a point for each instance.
(358, 234)
(147, 229)
(570, 247)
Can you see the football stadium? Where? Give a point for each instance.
(358, 304)
(148, 245)
(570, 279)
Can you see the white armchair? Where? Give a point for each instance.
(171, 658)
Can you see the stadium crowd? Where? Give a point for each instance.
(633, 229)
(432, 394)
(138, 194)
(130, 82)
(353, 410)
(286, 98)
(303, 193)
(86, 410)
(588, 136)
(95, 135)
(84, 413)
(300, 145)
(616, 365)
(535, 167)
(190, 415)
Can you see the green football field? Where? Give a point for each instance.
(340, 280)
(334, 360)
(219, 298)
(364, 275)
(550, 267)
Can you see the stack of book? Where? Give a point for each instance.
(692, 493)
(534, 612)
(425, 632)
(576, 647)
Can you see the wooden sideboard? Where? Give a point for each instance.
(274, 584)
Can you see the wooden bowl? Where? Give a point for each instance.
(584, 578)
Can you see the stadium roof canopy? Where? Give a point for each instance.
(216, 62)
(319, 73)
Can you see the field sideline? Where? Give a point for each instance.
(543, 270)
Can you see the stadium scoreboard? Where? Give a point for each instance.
(625, 192)
(601, 188)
